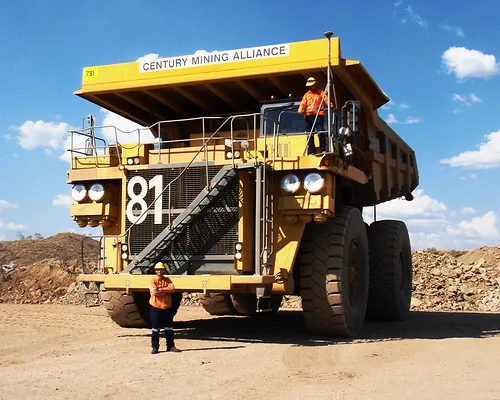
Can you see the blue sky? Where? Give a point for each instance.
(437, 61)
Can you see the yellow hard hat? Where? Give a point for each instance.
(310, 81)
(159, 265)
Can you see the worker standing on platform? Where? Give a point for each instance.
(161, 313)
(312, 105)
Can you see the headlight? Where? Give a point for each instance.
(78, 192)
(124, 247)
(314, 182)
(345, 131)
(96, 192)
(290, 183)
(229, 154)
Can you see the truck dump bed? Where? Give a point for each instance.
(224, 82)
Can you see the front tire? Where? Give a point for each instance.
(390, 286)
(333, 270)
(127, 310)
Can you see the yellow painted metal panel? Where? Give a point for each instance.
(181, 282)
(307, 55)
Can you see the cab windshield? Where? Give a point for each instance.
(285, 117)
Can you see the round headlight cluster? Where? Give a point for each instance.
(79, 192)
(313, 183)
(96, 192)
(133, 160)
(290, 183)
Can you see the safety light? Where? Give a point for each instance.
(290, 183)
(229, 154)
(124, 247)
(137, 160)
(96, 192)
(238, 246)
(314, 182)
(78, 192)
(237, 154)
(130, 161)
(124, 256)
(238, 256)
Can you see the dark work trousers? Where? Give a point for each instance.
(161, 319)
(318, 126)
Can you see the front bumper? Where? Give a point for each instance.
(182, 283)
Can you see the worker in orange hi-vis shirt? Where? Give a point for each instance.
(161, 313)
(313, 103)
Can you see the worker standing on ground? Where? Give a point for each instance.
(312, 106)
(161, 313)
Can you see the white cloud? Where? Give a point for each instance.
(405, 14)
(47, 135)
(127, 131)
(465, 63)
(5, 204)
(404, 105)
(11, 226)
(431, 224)
(391, 119)
(422, 206)
(62, 200)
(411, 120)
(466, 100)
(148, 57)
(453, 29)
(487, 156)
(484, 226)
(474, 98)
(470, 175)
(468, 211)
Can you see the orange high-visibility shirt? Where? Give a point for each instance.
(311, 103)
(160, 299)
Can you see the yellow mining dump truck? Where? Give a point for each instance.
(225, 195)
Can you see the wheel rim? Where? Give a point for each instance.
(353, 272)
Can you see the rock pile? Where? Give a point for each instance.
(443, 281)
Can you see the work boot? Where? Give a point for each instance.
(155, 341)
(169, 335)
(173, 349)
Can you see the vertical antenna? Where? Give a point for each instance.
(328, 35)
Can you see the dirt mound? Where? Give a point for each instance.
(44, 270)
(64, 247)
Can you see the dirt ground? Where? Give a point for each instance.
(72, 352)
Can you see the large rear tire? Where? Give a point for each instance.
(127, 310)
(218, 304)
(333, 274)
(390, 286)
